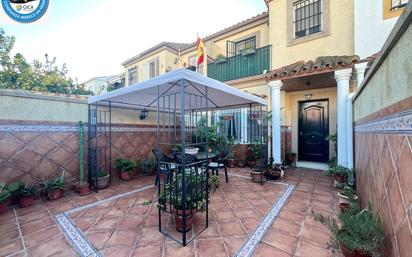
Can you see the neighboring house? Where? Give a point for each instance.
(374, 21)
(104, 84)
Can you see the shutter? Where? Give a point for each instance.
(146, 72)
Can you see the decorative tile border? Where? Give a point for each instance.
(68, 129)
(398, 123)
(249, 246)
(85, 248)
(75, 236)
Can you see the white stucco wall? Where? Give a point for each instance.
(371, 30)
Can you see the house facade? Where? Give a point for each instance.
(104, 84)
(307, 57)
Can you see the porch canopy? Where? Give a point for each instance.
(146, 94)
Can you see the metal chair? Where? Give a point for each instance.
(165, 164)
(219, 162)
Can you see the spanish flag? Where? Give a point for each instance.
(200, 51)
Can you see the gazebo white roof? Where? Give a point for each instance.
(146, 93)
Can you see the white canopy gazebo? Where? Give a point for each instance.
(183, 100)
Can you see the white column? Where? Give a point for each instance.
(360, 72)
(342, 77)
(275, 87)
(349, 134)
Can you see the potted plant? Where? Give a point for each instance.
(275, 172)
(291, 158)
(103, 179)
(257, 174)
(231, 162)
(4, 198)
(248, 50)
(346, 197)
(220, 58)
(360, 235)
(340, 173)
(53, 189)
(126, 168)
(172, 195)
(26, 195)
(82, 188)
(213, 183)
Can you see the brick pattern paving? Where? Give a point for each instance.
(127, 227)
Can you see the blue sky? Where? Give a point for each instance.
(93, 37)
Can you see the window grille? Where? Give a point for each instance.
(132, 75)
(246, 44)
(397, 4)
(307, 17)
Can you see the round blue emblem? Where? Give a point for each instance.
(25, 11)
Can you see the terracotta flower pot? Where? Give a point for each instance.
(345, 199)
(231, 163)
(83, 189)
(340, 178)
(347, 253)
(103, 182)
(256, 176)
(55, 194)
(26, 201)
(179, 219)
(4, 206)
(126, 176)
(251, 164)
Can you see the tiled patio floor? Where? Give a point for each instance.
(127, 227)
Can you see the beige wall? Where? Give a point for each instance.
(392, 81)
(340, 40)
(32, 106)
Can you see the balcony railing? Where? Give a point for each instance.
(251, 62)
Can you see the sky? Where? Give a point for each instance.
(94, 37)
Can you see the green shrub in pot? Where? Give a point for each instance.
(126, 168)
(53, 188)
(361, 232)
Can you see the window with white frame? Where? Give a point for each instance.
(397, 4)
(152, 69)
(132, 75)
(192, 61)
(307, 17)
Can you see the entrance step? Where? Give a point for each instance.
(312, 165)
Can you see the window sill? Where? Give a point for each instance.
(295, 41)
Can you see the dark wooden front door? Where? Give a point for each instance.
(313, 131)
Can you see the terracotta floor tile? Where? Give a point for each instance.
(280, 240)
(116, 212)
(37, 206)
(84, 224)
(131, 222)
(116, 252)
(37, 225)
(211, 232)
(286, 226)
(106, 223)
(95, 212)
(148, 251)
(250, 224)
(223, 216)
(315, 234)
(306, 249)
(264, 250)
(150, 236)
(246, 213)
(49, 248)
(9, 235)
(211, 247)
(41, 236)
(240, 204)
(221, 205)
(229, 229)
(26, 219)
(176, 250)
(11, 247)
(122, 238)
(99, 238)
(68, 252)
(233, 244)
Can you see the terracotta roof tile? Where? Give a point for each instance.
(321, 63)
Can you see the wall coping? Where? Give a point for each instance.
(397, 32)
(44, 96)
